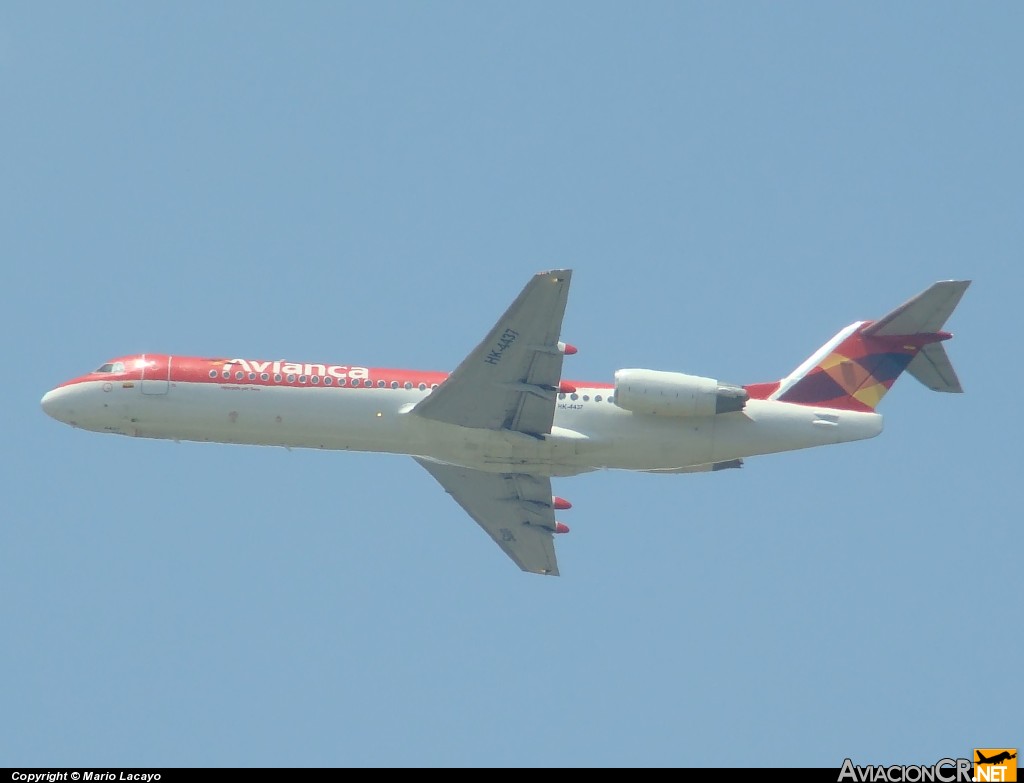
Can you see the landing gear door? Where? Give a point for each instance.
(156, 374)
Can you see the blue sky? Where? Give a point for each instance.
(372, 184)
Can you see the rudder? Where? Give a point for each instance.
(857, 367)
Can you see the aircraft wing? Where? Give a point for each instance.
(510, 380)
(514, 508)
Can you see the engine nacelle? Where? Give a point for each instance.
(675, 394)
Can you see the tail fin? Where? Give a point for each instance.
(855, 369)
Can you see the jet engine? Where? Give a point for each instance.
(675, 394)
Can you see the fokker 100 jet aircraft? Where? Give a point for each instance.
(497, 429)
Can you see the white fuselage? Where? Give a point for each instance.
(587, 434)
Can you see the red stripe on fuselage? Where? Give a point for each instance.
(251, 372)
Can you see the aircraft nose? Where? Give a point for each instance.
(53, 405)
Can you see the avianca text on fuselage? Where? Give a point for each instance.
(294, 368)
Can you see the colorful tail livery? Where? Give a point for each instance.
(855, 369)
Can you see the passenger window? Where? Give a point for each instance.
(291, 378)
(213, 373)
(239, 375)
(252, 376)
(265, 376)
(381, 384)
(302, 379)
(342, 381)
(597, 398)
(422, 387)
(328, 380)
(408, 386)
(277, 377)
(367, 383)
(314, 379)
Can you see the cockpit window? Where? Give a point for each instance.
(111, 367)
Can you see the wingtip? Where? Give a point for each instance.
(557, 274)
(553, 571)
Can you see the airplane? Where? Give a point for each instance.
(996, 759)
(498, 428)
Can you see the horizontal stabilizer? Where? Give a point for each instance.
(931, 366)
(926, 313)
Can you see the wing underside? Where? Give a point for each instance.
(515, 509)
(510, 380)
